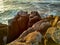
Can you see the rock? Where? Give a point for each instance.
(58, 24)
(31, 38)
(34, 13)
(17, 25)
(54, 34)
(55, 21)
(13, 30)
(3, 33)
(41, 26)
(22, 23)
(29, 30)
(20, 13)
(37, 26)
(17, 43)
(33, 18)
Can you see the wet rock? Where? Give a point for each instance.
(34, 13)
(33, 18)
(3, 33)
(13, 30)
(17, 25)
(41, 26)
(22, 22)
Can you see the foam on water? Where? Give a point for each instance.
(9, 8)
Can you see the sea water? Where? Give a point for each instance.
(9, 8)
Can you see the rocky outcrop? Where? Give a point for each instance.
(21, 22)
(3, 33)
(29, 23)
(17, 25)
(33, 18)
(41, 28)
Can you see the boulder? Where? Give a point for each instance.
(41, 26)
(17, 25)
(33, 18)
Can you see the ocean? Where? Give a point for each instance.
(9, 8)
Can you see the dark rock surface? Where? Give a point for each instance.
(3, 33)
